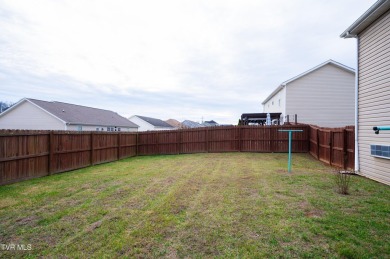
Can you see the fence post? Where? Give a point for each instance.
(345, 148)
(331, 146)
(51, 152)
(158, 143)
(239, 138)
(207, 141)
(318, 143)
(272, 137)
(92, 147)
(178, 146)
(119, 146)
(136, 144)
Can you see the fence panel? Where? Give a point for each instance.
(324, 137)
(128, 145)
(334, 146)
(23, 157)
(147, 143)
(193, 141)
(256, 139)
(338, 148)
(105, 147)
(69, 151)
(167, 142)
(350, 146)
(223, 139)
(314, 141)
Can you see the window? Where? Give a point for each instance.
(108, 129)
(272, 102)
(279, 102)
(381, 151)
(119, 129)
(97, 129)
(102, 129)
(79, 127)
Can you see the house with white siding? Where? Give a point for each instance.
(323, 96)
(32, 114)
(372, 33)
(150, 124)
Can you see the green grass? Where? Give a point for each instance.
(201, 205)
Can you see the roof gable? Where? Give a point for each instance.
(329, 62)
(77, 114)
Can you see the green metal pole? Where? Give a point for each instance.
(383, 128)
(378, 128)
(290, 146)
(289, 151)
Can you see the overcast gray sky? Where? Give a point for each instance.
(182, 59)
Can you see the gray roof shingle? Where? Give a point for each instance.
(77, 114)
(155, 122)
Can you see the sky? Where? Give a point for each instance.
(182, 59)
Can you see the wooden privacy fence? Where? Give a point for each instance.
(30, 154)
(222, 139)
(334, 146)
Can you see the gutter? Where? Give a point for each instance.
(374, 12)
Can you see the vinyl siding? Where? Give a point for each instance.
(29, 117)
(93, 128)
(374, 96)
(269, 107)
(324, 97)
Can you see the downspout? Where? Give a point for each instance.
(357, 106)
(285, 102)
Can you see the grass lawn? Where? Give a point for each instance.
(201, 205)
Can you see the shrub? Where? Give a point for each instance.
(342, 179)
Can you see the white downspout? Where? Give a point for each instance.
(357, 106)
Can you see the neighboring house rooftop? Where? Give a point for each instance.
(209, 123)
(191, 124)
(155, 122)
(329, 62)
(174, 123)
(79, 115)
(373, 13)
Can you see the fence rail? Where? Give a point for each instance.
(31, 154)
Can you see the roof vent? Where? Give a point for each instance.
(63, 110)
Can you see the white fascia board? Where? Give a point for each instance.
(280, 87)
